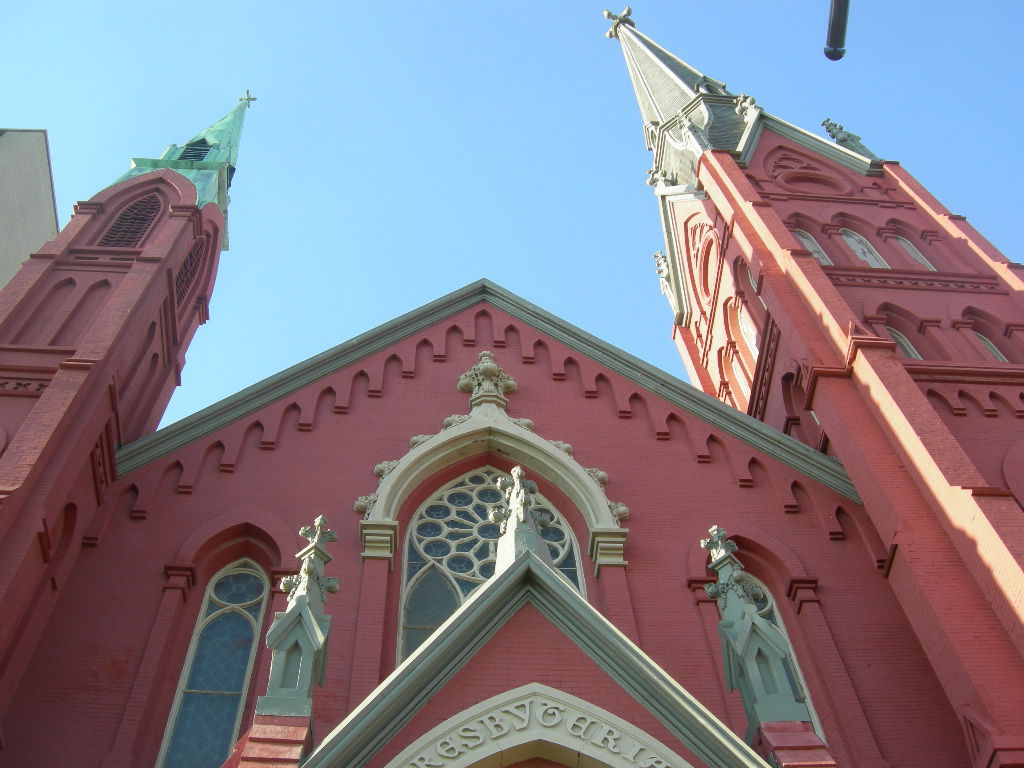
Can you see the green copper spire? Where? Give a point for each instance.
(208, 159)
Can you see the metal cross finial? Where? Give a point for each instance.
(318, 533)
(618, 21)
(248, 98)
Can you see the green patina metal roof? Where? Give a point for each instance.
(208, 159)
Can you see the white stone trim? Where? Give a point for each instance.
(488, 429)
(535, 720)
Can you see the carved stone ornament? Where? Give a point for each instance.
(661, 264)
(418, 440)
(718, 544)
(364, 504)
(619, 510)
(562, 446)
(657, 176)
(454, 420)
(745, 106)
(520, 522)
(486, 382)
(598, 475)
(617, 21)
(524, 423)
(384, 467)
(297, 637)
(310, 580)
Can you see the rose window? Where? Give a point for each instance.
(451, 548)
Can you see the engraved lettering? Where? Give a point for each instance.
(631, 755)
(551, 714)
(422, 761)
(494, 724)
(468, 732)
(578, 727)
(447, 748)
(520, 714)
(653, 762)
(606, 737)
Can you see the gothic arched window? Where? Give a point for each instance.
(203, 725)
(450, 549)
(812, 245)
(914, 253)
(132, 224)
(862, 249)
(903, 343)
(991, 347)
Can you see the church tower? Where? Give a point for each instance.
(825, 292)
(93, 332)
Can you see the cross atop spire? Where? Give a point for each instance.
(618, 21)
(248, 98)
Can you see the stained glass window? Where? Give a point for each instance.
(915, 254)
(450, 550)
(204, 722)
(903, 343)
(862, 249)
(812, 245)
(991, 347)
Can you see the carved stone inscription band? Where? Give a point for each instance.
(531, 718)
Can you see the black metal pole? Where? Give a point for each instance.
(835, 38)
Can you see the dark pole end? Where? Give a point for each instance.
(834, 54)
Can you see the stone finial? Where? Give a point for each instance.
(661, 264)
(836, 131)
(520, 522)
(310, 581)
(718, 544)
(847, 139)
(486, 382)
(746, 107)
(297, 637)
(618, 21)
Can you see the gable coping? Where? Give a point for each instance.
(382, 715)
(786, 449)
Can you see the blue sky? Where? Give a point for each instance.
(399, 150)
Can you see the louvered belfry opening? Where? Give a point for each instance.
(187, 274)
(133, 223)
(196, 150)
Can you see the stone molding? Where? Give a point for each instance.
(488, 428)
(913, 279)
(381, 716)
(537, 721)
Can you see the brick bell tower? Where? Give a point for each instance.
(825, 292)
(93, 332)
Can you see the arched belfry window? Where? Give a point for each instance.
(812, 245)
(450, 549)
(204, 721)
(132, 224)
(862, 249)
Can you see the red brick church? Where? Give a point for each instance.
(519, 545)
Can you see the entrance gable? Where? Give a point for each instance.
(381, 717)
(536, 721)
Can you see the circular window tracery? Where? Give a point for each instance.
(454, 532)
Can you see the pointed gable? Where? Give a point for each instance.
(513, 632)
